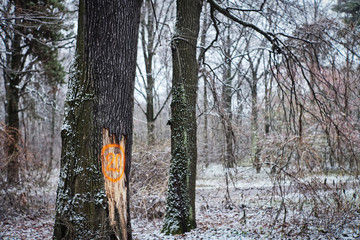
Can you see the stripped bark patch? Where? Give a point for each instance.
(113, 164)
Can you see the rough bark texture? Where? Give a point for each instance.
(99, 113)
(180, 211)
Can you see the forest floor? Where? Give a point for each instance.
(250, 206)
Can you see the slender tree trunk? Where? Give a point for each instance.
(226, 108)
(200, 60)
(147, 23)
(268, 90)
(150, 110)
(240, 109)
(206, 138)
(52, 136)
(93, 192)
(12, 125)
(12, 81)
(150, 102)
(180, 210)
(254, 128)
(253, 82)
(150, 33)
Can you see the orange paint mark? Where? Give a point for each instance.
(113, 162)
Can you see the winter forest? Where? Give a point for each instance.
(186, 119)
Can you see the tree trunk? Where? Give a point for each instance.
(201, 59)
(253, 82)
(93, 192)
(151, 32)
(52, 135)
(12, 128)
(226, 108)
(180, 210)
(206, 137)
(148, 52)
(267, 96)
(150, 110)
(254, 127)
(12, 81)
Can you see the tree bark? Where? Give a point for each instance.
(201, 59)
(254, 127)
(12, 81)
(180, 210)
(148, 52)
(93, 192)
(226, 108)
(206, 137)
(253, 82)
(267, 96)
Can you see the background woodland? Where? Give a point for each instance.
(285, 111)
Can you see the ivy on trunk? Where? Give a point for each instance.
(180, 210)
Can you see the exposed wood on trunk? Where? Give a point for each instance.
(113, 163)
(92, 199)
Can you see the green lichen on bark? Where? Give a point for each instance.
(178, 201)
(81, 201)
(180, 210)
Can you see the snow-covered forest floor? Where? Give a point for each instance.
(250, 206)
(254, 208)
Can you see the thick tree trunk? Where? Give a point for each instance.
(180, 210)
(93, 192)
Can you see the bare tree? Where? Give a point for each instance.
(180, 209)
(153, 27)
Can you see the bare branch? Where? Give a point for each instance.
(269, 36)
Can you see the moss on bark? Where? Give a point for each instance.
(180, 210)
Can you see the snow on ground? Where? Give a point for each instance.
(254, 210)
(35, 225)
(251, 209)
